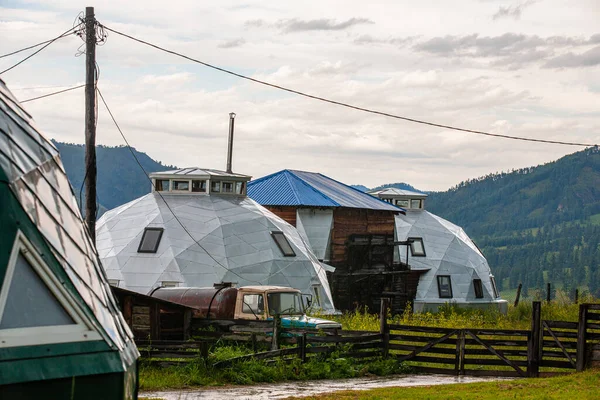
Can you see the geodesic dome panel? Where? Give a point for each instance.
(223, 239)
(448, 251)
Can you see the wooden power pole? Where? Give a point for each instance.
(90, 122)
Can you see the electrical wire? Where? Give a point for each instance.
(25, 48)
(52, 94)
(161, 196)
(68, 32)
(347, 105)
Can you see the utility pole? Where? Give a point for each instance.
(90, 122)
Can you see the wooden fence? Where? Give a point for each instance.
(549, 347)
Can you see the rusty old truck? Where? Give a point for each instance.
(247, 302)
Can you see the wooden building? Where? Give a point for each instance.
(347, 229)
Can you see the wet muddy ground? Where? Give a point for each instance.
(308, 388)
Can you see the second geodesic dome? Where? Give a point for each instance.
(453, 268)
(216, 237)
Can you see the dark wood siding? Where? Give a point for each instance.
(287, 213)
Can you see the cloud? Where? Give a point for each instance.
(232, 43)
(296, 25)
(509, 49)
(589, 58)
(394, 41)
(512, 11)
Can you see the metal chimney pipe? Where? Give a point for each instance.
(230, 143)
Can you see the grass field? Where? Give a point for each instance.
(581, 386)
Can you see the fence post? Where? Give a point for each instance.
(548, 291)
(582, 337)
(302, 346)
(459, 364)
(576, 296)
(204, 350)
(276, 327)
(518, 294)
(534, 353)
(383, 327)
(254, 344)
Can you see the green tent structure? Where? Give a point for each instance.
(62, 335)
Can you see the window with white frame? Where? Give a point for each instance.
(35, 308)
(240, 187)
(198, 186)
(215, 186)
(415, 203)
(402, 203)
(181, 186)
(162, 185)
(227, 187)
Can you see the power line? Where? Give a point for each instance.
(339, 103)
(53, 93)
(25, 48)
(160, 194)
(68, 32)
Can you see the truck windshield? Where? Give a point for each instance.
(287, 303)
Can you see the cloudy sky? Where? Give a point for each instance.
(525, 68)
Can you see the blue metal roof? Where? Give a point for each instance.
(300, 188)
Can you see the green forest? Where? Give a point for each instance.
(535, 225)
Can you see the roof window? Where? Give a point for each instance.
(227, 187)
(444, 286)
(181, 186)
(198, 186)
(215, 186)
(416, 203)
(162, 185)
(283, 244)
(417, 248)
(150, 240)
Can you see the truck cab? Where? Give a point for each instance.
(264, 302)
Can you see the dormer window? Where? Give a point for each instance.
(402, 203)
(181, 186)
(415, 203)
(239, 187)
(162, 185)
(227, 187)
(215, 186)
(198, 186)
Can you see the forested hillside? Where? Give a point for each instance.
(120, 178)
(535, 225)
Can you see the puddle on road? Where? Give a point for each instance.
(309, 388)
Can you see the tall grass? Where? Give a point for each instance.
(453, 316)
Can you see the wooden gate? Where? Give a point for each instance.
(476, 352)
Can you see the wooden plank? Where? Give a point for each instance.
(534, 347)
(505, 352)
(433, 360)
(500, 342)
(563, 334)
(562, 324)
(593, 306)
(362, 354)
(593, 326)
(169, 354)
(320, 349)
(436, 350)
(413, 338)
(552, 344)
(496, 353)
(500, 332)
(491, 361)
(422, 329)
(258, 356)
(556, 364)
(341, 339)
(593, 317)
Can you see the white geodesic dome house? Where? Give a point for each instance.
(453, 269)
(198, 228)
